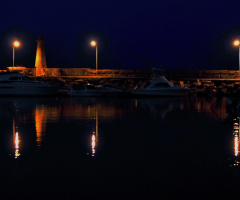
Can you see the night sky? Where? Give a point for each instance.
(165, 34)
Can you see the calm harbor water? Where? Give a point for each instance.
(118, 148)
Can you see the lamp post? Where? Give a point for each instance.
(237, 44)
(16, 44)
(94, 44)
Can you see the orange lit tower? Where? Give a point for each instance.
(40, 62)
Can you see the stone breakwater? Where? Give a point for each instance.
(198, 87)
(222, 82)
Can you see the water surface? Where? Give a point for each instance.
(118, 148)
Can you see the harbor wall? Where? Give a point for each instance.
(202, 74)
(114, 73)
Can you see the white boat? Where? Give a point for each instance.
(90, 90)
(17, 84)
(160, 87)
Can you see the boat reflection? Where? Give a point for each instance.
(216, 107)
(160, 107)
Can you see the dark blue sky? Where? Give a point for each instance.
(187, 34)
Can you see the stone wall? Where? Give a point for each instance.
(108, 73)
(76, 72)
(202, 74)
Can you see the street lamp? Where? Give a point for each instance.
(94, 44)
(237, 44)
(16, 44)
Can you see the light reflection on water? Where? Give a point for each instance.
(46, 111)
(16, 143)
(40, 123)
(235, 122)
(93, 144)
(182, 133)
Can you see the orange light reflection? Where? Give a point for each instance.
(40, 124)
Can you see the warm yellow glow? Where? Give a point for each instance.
(40, 124)
(236, 43)
(16, 142)
(16, 44)
(93, 43)
(236, 145)
(181, 106)
(93, 144)
(235, 132)
(235, 127)
(136, 103)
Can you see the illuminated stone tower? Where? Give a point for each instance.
(40, 62)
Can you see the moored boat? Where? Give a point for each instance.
(90, 90)
(17, 84)
(160, 86)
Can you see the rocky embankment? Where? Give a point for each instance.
(220, 88)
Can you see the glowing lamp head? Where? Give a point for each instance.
(236, 43)
(16, 44)
(93, 43)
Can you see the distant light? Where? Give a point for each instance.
(236, 43)
(16, 44)
(93, 43)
